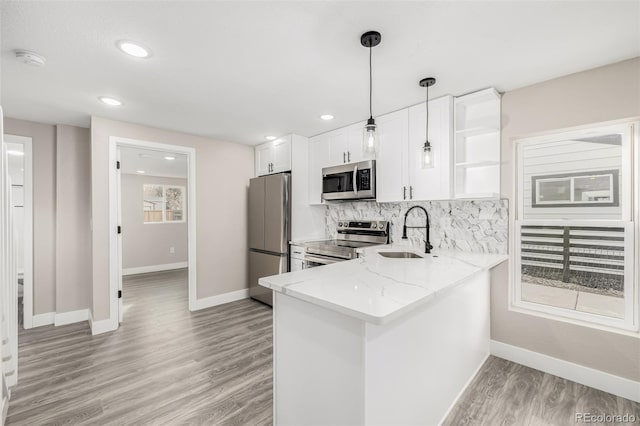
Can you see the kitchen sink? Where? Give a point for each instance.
(399, 254)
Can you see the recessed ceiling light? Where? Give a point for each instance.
(140, 171)
(133, 49)
(30, 58)
(169, 157)
(144, 155)
(326, 117)
(270, 138)
(13, 152)
(109, 101)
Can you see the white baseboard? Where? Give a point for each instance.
(71, 317)
(102, 326)
(47, 318)
(221, 299)
(597, 379)
(154, 268)
(5, 409)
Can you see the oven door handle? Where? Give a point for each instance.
(321, 260)
(355, 179)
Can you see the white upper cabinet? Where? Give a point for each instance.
(399, 176)
(345, 144)
(281, 154)
(477, 145)
(264, 158)
(391, 168)
(274, 156)
(434, 183)
(319, 157)
(402, 136)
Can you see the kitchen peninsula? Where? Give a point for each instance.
(393, 337)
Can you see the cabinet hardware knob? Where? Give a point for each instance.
(344, 157)
(349, 156)
(404, 192)
(411, 192)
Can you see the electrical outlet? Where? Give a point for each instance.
(172, 250)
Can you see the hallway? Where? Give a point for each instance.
(163, 365)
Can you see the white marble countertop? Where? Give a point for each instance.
(377, 289)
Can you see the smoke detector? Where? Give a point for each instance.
(30, 58)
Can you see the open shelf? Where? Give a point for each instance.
(476, 131)
(478, 164)
(477, 145)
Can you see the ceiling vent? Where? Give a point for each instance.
(30, 58)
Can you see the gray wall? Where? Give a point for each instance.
(73, 218)
(61, 214)
(223, 171)
(44, 209)
(607, 93)
(148, 244)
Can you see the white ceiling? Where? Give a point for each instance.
(241, 70)
(152, 163)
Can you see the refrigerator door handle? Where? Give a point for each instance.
(355, 179)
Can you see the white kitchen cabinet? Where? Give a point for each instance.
(434, 183)
(477, 145)
(399, 176)
(274, 156)
(319, 157)
(345, 144)
(264, 158)
(307, 221)
(391, 164)
(297, 258)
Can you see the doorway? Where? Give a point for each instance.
(20, 166)
(152, 210)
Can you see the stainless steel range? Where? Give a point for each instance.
(352, 235)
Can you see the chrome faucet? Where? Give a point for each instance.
(427, 244)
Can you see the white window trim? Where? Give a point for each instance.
(164, 203)
(630, 208)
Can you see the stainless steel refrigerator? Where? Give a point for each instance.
(269, 230)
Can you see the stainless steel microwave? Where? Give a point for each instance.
(355, 181)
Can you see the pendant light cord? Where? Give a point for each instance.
(426, 138)
(370, 85)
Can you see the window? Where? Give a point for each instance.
(591, 188)
(163, 203)
(575, 234)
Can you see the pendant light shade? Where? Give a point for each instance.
(371, 141)
(426, 152)
(371, 138)
(426, 160)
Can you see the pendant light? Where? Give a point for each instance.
(426, 152)
(371, 139)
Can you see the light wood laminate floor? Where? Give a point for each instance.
(164, 365)
(167, 366)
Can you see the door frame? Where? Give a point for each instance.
(27, 276)
(115, 252)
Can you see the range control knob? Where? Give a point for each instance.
(339, 223)
(374, 226)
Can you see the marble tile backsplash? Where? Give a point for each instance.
(467, 225)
